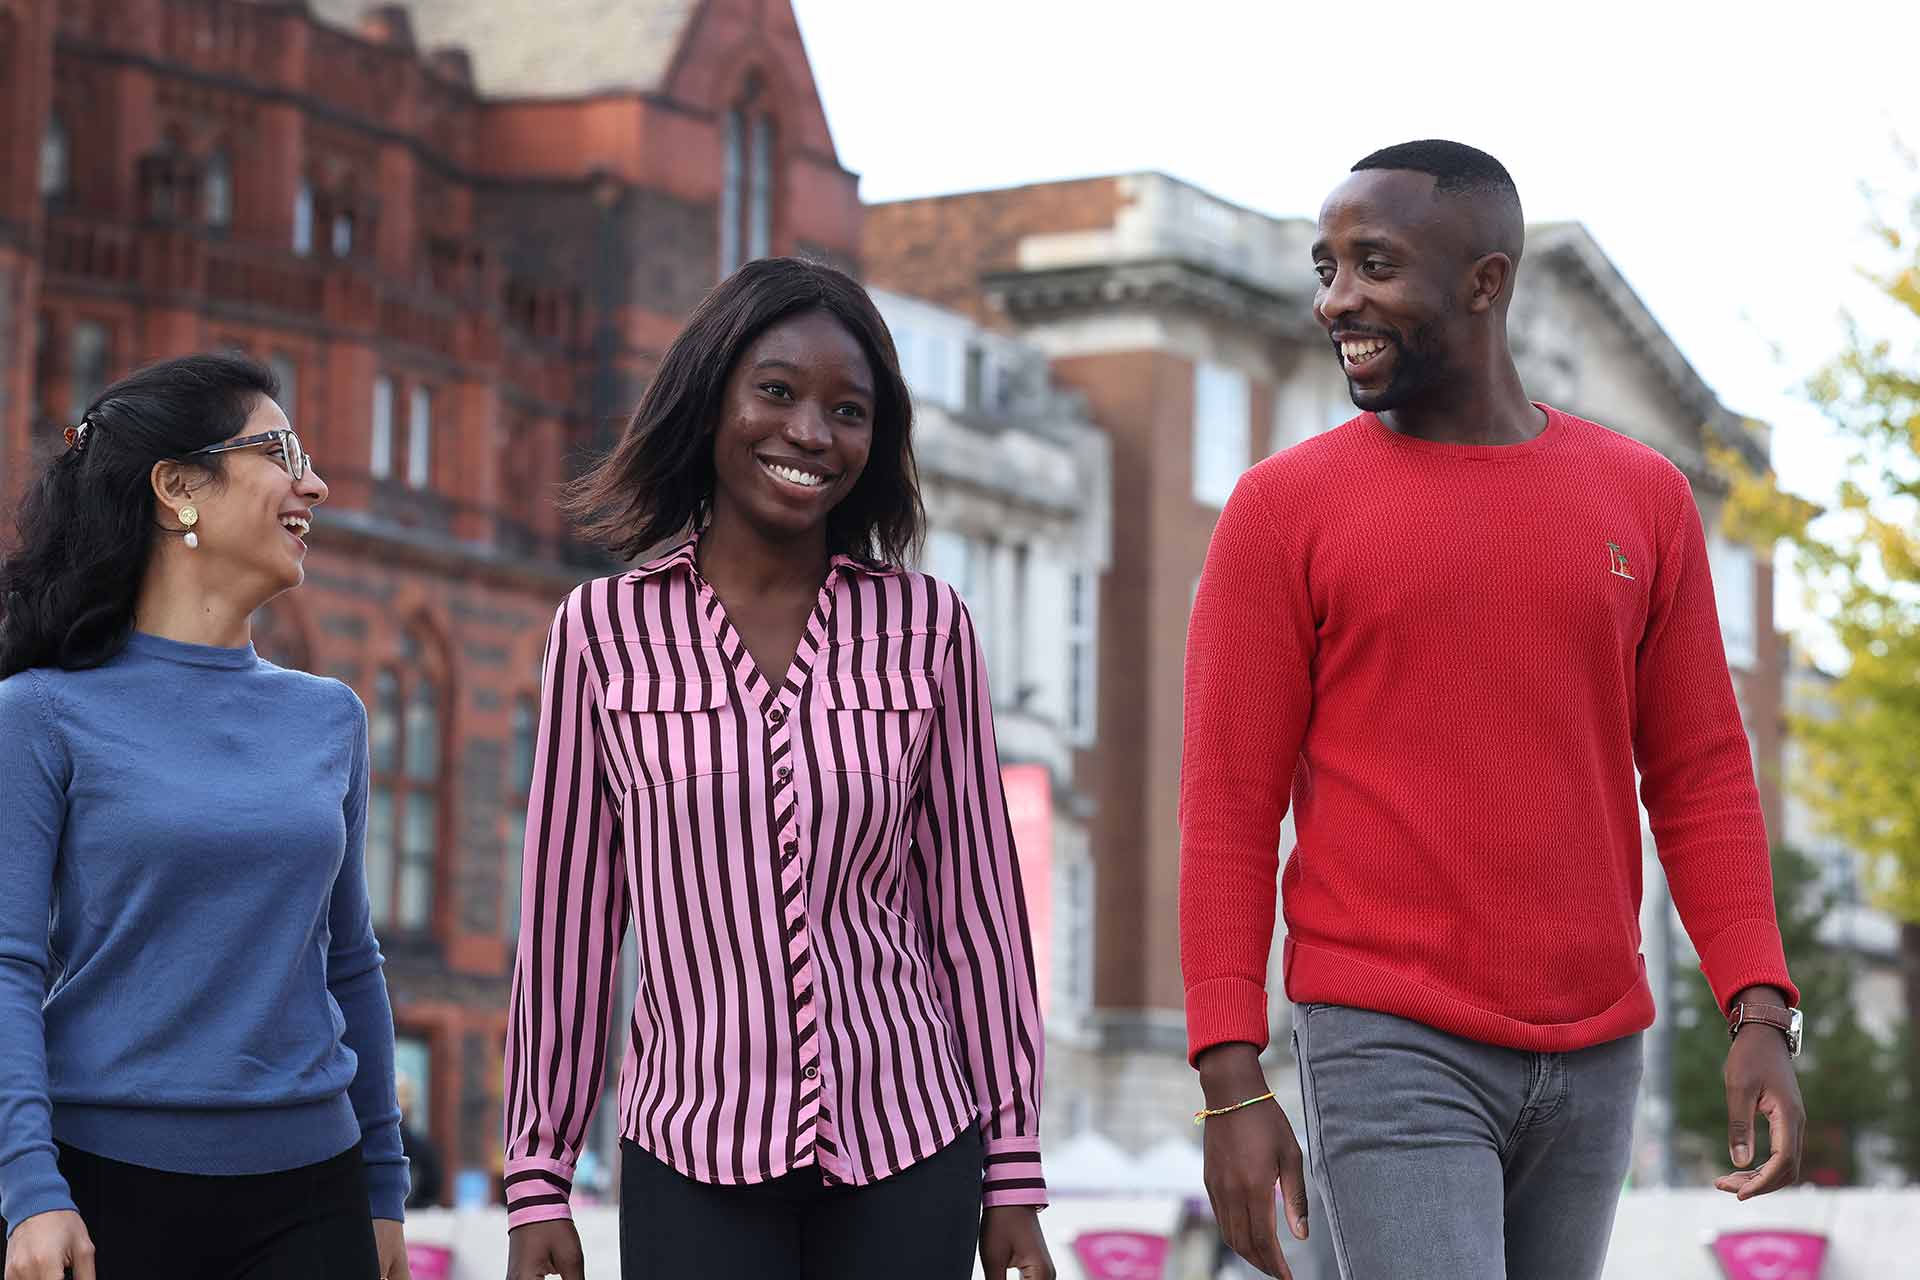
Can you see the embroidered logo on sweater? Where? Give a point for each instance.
(1618, 568)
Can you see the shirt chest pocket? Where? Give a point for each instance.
(877, 723)
(672, 730)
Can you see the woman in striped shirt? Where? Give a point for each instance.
(770, 750)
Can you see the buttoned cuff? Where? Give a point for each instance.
(1012, 1173)
(538, 1190)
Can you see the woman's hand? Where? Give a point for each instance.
(47, 1245)
(391, 1238)
(1010, 1237)
(540, 1249)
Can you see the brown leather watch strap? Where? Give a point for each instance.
(1772, 1015)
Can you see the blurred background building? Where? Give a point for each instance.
(463, 233)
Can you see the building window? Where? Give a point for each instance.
(760, 191)
(1073, 932)
(413, 1063)
(54, 157)
(1221, 409)
(342, 234)
(1732, 567)
(733, 170)
(303, 218)
(287, 373)
(420, 438)
(217, 191)
(1083, 651)
(403, 798)
(380, 460)
(523, 733)
(92, 356)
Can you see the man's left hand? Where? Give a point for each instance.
(1010, 1237)
(391, 1238)
(1759, 1076)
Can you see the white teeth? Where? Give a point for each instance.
(296, 524)
(793, 475)
(1365, 349)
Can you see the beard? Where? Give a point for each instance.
(1419, 366)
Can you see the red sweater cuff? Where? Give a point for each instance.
(1745, 955)
(1223, 1010)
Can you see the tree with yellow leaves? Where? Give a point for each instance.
(1859, 555)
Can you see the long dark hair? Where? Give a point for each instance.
(658, 481)
(85, 528)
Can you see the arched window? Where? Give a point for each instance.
(303, 218)
(748, 139)
(216, 197)
(404, 793)
(55, 155)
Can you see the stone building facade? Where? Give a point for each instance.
(463, 244)
(1185, 321)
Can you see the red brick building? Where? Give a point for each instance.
(462, 233)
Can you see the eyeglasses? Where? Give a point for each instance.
(286, 446)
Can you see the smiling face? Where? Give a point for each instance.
(251, 525)
(796, 422)
(1394, 267)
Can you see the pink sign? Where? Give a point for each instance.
(1121, 1255)
(1770, 1255)
(1029, 792)
(430, 1262)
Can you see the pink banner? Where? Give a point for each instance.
(1770, 1255)
(1029, 792)
(1121, 1255)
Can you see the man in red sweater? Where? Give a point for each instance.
(1451, 631)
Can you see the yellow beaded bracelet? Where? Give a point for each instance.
(1201, 1117)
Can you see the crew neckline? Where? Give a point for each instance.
(1554, 429)
(147, 645)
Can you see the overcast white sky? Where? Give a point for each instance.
(1716, 150)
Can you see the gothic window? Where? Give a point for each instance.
(732, 167)
(420, 438)
(525, 728)
(380, 462)
(92, 355)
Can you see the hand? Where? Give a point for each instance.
(1247, 1152)
(540, 1249)
(46, 1245)
(1010, 1237)
(391, 1238)
(1759, 1073)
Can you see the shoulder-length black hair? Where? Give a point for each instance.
(85, 528)
(658, 481)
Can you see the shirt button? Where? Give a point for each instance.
(778, 715)
(783, 772)
(811, 1072)
(791, 847)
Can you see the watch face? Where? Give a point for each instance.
(1793, 1035)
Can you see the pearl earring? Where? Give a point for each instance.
(190, 516)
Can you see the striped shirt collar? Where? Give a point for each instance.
(684, 557)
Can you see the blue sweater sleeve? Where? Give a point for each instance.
(359, 987)
(36, 773)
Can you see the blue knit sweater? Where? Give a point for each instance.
(189, 979)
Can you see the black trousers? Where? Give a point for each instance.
(303, 1224)
(922, 1223)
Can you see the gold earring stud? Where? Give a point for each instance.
(189, 515)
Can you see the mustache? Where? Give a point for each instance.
(1365, 331)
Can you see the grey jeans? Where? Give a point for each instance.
(1438, 1156)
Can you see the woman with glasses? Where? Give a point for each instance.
(770, 749)
(196, 1049)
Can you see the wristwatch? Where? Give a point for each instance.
(1787, 1020)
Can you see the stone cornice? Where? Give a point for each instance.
(1157, 282)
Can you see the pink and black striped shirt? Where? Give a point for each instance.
(834, 960)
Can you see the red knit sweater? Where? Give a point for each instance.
(1453, 657)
